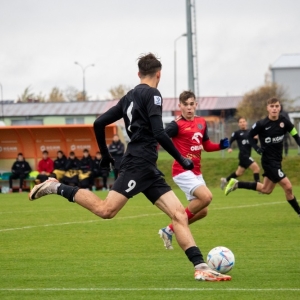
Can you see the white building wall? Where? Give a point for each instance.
(289, 78)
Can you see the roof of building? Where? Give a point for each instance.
(99, 107)
(287, 61)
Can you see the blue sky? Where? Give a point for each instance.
(236, 41)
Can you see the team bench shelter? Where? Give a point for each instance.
(34, 139)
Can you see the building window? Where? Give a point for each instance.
(78, 120)
(27, 122)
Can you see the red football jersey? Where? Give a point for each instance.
(188, 140)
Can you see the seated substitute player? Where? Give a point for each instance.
(141, 109)
(60, 165)
(85, 170)
(271, 131)
(190, 137)
(245, 159)
(98, 171)
(19, 170)
(45, 168)
(72, 170)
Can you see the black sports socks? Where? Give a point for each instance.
(67, 191)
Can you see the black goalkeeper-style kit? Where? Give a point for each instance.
(141, 110)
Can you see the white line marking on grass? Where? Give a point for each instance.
(33, 211)
(78, 222)
(150, 289)
(132, 217)
(248, 205)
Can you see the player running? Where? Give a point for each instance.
(189, 135)
(141, 109)
(271, 131)
(245, 159)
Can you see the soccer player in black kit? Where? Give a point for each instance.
(141, 109)
(271, 131)
(245, 159)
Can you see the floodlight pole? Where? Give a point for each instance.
(175, 70)
(83, 77)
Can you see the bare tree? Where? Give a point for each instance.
(71, 93)
(253, 105)
(56, 95)
(26, 96)
(119, 91)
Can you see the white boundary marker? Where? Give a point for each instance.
(132, 217)
(149, 289)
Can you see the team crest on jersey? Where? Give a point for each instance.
(281, 124)
(200, 126)
(157, 100)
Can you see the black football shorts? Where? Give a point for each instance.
(273, 171)
(137, 175)
(246, 161)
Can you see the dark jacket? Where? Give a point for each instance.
(21, 167)
(60, 163)
(86, 164)
(72, 164)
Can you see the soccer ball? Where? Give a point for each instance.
(220, 259)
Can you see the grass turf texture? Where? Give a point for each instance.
(52, 249)
(215, 165)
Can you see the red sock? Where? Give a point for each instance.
(189, 215)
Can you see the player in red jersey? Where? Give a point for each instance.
(189, 135)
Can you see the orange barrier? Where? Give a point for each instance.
(33, 140)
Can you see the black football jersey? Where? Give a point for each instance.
(271, 134)
(241, 137)
(135, 108)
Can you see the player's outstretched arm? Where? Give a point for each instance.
(111, 116)
(210, 147)
(164, 140)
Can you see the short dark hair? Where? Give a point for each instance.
(86, 150)
(20, 154)
(59, 151)
(148, 64)
(242, 118)
(186, 95)
(272, 100)
(45, 152)
(72, 153)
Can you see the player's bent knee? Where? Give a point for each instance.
(180, 216)
(267, 192)
(105, 213)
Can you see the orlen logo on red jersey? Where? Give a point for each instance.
(197, 148)
(196, 137)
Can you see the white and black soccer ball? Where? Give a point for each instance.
(220, 259)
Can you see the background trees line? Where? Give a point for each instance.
(68, 95)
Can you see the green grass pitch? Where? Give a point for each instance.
(52, 249)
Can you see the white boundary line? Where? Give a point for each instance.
(79, 222)
(150, 289)
(132, 217)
